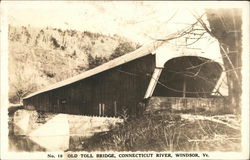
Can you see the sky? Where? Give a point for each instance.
(137, 21)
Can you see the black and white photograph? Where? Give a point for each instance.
(124, 80)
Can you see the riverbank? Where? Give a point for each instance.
(171, 132)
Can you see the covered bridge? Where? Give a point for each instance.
(155, 69)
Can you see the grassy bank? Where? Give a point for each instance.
(166, 132)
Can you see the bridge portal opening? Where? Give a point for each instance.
(188, 76)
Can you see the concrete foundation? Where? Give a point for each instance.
(181, 104)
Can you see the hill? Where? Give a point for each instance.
(42, 56)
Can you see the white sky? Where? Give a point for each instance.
(135, 20)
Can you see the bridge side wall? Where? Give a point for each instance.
(123, 86)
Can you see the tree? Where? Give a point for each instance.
(121, 49)
(225, 25)
(95, 61)
(22, 83)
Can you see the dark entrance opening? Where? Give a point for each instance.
(188, 76)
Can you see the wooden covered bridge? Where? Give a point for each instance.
(152, 70)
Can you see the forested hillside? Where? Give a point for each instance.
(42, 56)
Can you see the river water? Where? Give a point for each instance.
(60, 132)
(24, 143)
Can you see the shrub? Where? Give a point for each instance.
(95, 61)
(54, 42)
(166, 133)
(121, 49)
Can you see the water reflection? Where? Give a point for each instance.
(19, 142)
(22, 143)
(59, 132)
